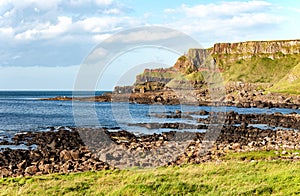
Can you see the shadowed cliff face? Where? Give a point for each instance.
(198, 56)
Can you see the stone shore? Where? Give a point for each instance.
(83, 149)
(233, 97)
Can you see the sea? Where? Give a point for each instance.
(23, 111)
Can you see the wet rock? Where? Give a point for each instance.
(177, 112)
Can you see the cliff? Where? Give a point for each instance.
(249, 62)
(225, 53)
(258, 47)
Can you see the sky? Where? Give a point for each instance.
(43, 43)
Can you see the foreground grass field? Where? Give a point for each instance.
(230, 177)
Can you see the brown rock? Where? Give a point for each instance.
(31, 170)
(75, 154)
(4, 172)
(236, 146)
(22, 165)
(65, 155)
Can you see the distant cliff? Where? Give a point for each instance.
(251, 61)
(258, 47)
(230, 52)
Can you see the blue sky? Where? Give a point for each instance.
(43, 43)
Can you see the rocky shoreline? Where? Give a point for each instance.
(238, 95)
(83, 149)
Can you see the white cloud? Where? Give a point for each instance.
(6, 31)
(50, 4)
(93, 27)
(112, 11)
(144, 35)
(65, 23)
(225, 8)
(98, 24)
(103, 2)
(26, 3)
(40, 20)
(170, 11)
(97, 2)
(9, 13)
(100, 37)
(45, 31)
(228, 19)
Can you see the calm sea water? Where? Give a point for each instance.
(23, 111)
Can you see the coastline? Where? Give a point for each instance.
(243, 99)
(72, 149)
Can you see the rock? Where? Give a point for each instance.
(284, 152)
(203, 112)
(177, 112)
(31, 170)
(65, 155)
(4, 172)
(244, 125)
(22, 165)
(70, 155)
(67, 167)
(46, 168)
(236, 146)
(75, 154)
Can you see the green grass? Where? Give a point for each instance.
(230, 177)
(195, 76)
(259, 69)
(283, 72)
(162, 74)
(290, 83)
(261, 155)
